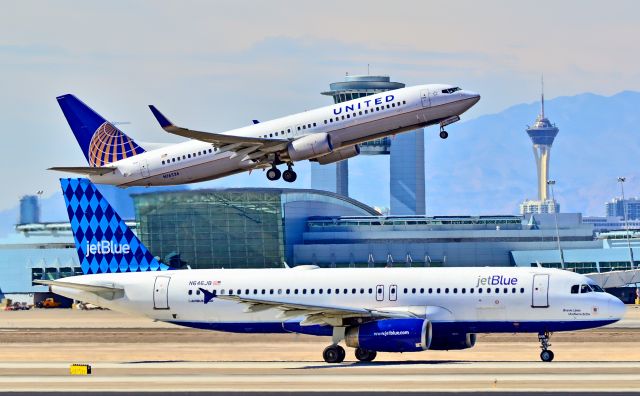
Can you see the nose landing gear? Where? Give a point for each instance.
(443, 134)
(546, 355)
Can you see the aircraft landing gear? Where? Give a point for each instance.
(443, 134)
(546, 355)
(289, 175)
(334, 354)
(365, 355)
(273, 173)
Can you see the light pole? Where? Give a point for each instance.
(621, 180)
(552, 183)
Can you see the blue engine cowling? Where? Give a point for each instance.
(391, 335)
(452, 341)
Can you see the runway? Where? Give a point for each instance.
(134, 354)
(298, 376)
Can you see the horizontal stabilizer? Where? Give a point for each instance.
(85, 170)
(106, 292)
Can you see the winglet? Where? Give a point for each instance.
(208, 296)
(164, 121)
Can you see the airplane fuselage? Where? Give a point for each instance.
(467, 300)
(347, 123)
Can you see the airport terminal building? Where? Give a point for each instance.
(266, 227)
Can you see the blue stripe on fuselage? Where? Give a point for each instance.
(439, 327)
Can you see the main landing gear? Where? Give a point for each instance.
(546, 355)
(334, 354)
(365, 355)
(289, 175)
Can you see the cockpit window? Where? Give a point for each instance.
(585, 289)
(450, 90)
(597, 289)
(575, 289)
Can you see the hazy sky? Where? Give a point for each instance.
(218, 65)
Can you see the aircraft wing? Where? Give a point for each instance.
(108, 292)
(250, 147)
(86, 170)
(314, 314)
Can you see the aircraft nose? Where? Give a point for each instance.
(474, 96)
(616, 308)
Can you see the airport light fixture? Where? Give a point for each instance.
(552, 183)
(621, 180)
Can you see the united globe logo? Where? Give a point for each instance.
(108, 144)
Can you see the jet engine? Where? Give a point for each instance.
(310, 146)
(339, 155)
(391, 335)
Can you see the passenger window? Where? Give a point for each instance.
(430, 290)
(264, 291)
(353, 291)
(188, 155)
(471, 290)
(506, 290)
(522, 290)
(319, 291)
(348, 116)
(337, 291)
(404, 102)
(346, 291)
(295, 291)
(325, 121)
(497, 290)
(239, 292)
(304, 127)
(246, 291)
(314, 124)
(575, 289)
(370, 291)
(446, 290)
(479, 290)
(438, 290)
(455, 290)
(464, 290)
(328, 291)
(255, 291)
(197, 292)
(421, 290)
(406, 290)
(271, 291)
(361, 291)
(304, 291)
(313, 291)
(360, 112)
(190, 292)
(513, 290)
(413, 291)
(279, 291)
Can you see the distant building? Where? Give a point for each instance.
(542, 134)
(407, 174)
(610, 223)
(29, 210)
(617, 207)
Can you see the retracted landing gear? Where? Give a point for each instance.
(546, 355)
(289, 175)
(334, 354)
(365, 355)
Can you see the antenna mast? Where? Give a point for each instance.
(542, 84)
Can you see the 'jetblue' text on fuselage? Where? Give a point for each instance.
(496, 280)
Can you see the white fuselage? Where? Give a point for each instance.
(476, 300)
(347, 123)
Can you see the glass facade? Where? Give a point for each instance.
(213, 229)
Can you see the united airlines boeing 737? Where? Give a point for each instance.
(370, 309)
(326, 135)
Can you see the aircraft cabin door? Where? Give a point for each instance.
(393, 293)
(424, 95)
(144, 168)
(161, 292)
(540, 290)
(380, 293)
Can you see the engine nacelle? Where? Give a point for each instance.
(452, 341)
(339, 155)
(391, 335)
(310, 146)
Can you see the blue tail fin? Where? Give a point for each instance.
(101, 142)
(104, 242)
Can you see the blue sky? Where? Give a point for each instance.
(217, 65)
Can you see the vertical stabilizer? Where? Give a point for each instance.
(101, 142)
(103, 240)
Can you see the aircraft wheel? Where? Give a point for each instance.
(289, 176)
(365, 355)
(546, 355)
(334, 354)
(444, 134)
(273, 174)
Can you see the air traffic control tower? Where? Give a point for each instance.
(406, 152)
(542, 134)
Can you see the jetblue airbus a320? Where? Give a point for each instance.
(370, 309)
(326, 135)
